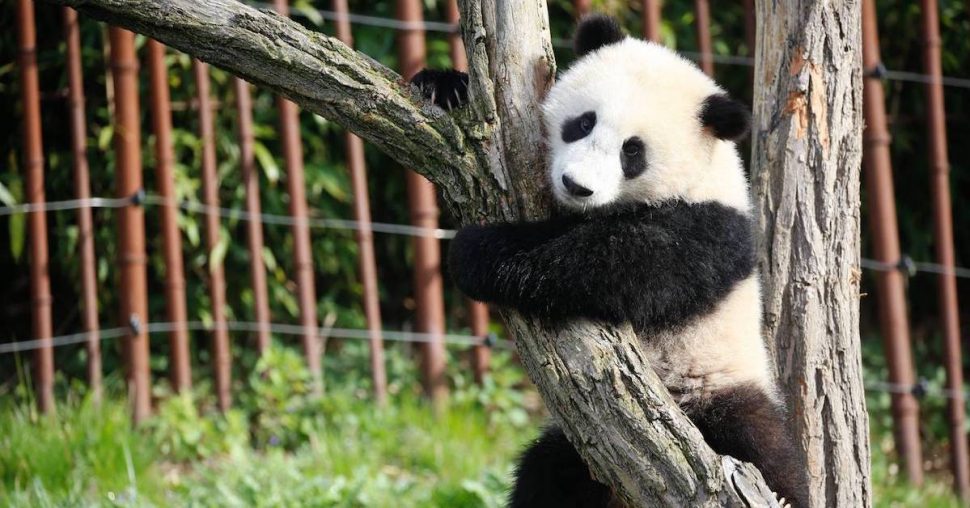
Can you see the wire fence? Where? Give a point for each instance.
(449, 28)
(905, 264)
(456, 339)
(920, 389)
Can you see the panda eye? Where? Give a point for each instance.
(632, 147)
(579, 127)
(634, 158)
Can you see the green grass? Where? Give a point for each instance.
(283, 447)
(280, 447)
(401, 455)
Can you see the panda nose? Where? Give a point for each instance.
(574, 188)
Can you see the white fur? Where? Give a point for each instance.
(638, 88)
(641, 89)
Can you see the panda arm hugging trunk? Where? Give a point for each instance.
(654, 266)
(658, 233)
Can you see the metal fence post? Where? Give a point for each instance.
(180, 370)
(651, 20)
(422, 201)
(365, 237)
(82, 190)
(303, 260)
(131, 219)
(943, 238)
(702, 11)
(890, 286)
(254, 227)
(33, 161)
(221, 356)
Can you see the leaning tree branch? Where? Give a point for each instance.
(320, 74)
(488, 162)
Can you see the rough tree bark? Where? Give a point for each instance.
(806, 155)
(595, 379)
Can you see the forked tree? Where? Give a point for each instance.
(487, 162)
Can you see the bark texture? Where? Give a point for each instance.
(806, 157)
(488, 162)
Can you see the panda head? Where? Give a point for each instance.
(631, 121)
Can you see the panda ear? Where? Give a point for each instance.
(725, 118)
(596, 31)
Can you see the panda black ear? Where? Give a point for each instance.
(725, 117)
(596, 31)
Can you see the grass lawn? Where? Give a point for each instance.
(282, 447)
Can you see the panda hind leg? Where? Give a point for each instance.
(748, 424)
(551, 474)
(448, 88)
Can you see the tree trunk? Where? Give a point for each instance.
(595, 379)
(806, 155)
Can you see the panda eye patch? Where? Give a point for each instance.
(634, 158)
(579, 127)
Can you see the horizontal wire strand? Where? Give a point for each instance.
(443, 27)
(253, 326)
(346, 224)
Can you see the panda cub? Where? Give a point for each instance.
(657, 232)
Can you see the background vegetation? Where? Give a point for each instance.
(281, 447)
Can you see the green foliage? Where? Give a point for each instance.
(182, 434)
(280, 402)
(61, 460)
(338, 450)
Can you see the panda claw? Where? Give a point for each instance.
(447, 89)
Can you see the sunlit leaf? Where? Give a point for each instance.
(267, 162)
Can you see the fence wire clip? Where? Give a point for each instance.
(907, 266)
(138, 198)
(134, 323)
(920, 388)
(877, 71)
(489, 340)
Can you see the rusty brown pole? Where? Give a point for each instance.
(254, 228)
(882, 222)
(456, 48)
(477, 311)
(82, 190)
(422, 202)
(943, 235)
(303, 261)
(702, 11)
(180, 370)
(40, 290)
(221, 357)
(582, 7)
(365, 237)
(131, 219)
(651, 20)
(750, 35)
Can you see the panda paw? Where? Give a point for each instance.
(448, 89)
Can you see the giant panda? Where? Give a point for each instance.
(657, 231)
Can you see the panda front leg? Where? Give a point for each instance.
(747, 423)
(551, 474)
(448, 89)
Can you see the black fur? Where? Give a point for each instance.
(551, 474)
(745, 423)
(596, 31)
(725, 117)
(448, 88)
(742, 421)
(654, 266)
(633, 157)
(579, 127)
